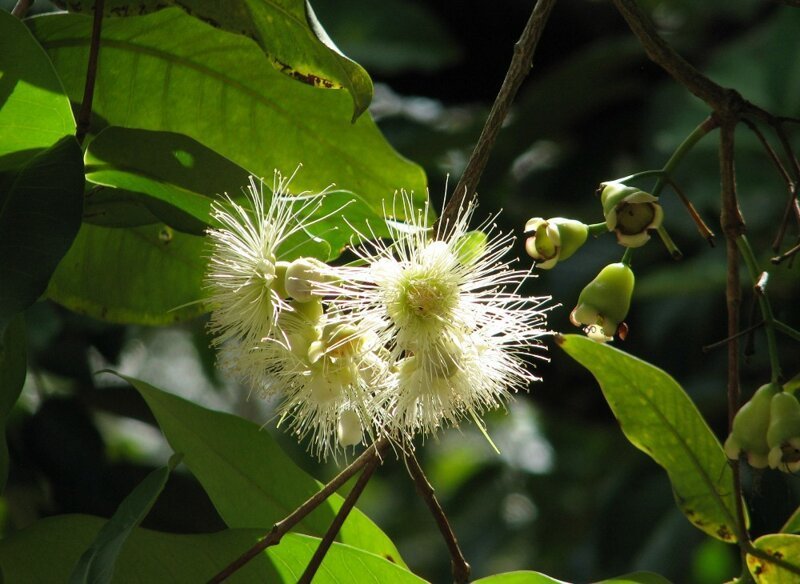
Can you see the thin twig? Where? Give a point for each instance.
(458, 563)
(85, 113)
(790, 184)
(786, 255)
(521, 64)
(705, 230)
(282, 527)
(336, 525)
(21, 8)
(738, 335)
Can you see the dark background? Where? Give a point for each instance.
(568, 495)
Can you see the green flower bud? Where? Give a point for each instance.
(783, 435)
(553, 240)
(470, 246)
(302, 276)
(630, 213)
(279, 282)
(604, 302)
(749, 433)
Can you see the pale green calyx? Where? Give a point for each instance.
(604, 302)
(630, 213)
(749, 433)
(553, 240)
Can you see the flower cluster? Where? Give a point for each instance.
(766, 430)
(419, 334)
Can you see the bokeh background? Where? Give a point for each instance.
(567, 495)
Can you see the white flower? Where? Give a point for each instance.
(451, 317)
(244, 293)
(324, 378)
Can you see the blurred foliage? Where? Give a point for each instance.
(568, 495)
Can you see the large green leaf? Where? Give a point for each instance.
(13, 368)
(169, 71)
(785, 547)
(250, 480)
(659, 418)
(146, 275)
(792, 524)
(40, 213)
(47, 550)
(176, 179)
(98, 562)
(34, 111)
(287, 31)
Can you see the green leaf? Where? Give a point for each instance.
(792, 524)
(176, 179)
(519, 577)
(40, 213)
(527, 577)
(250, 480)
(784, 547)
(34, 111)
(97, 563)
(637, 578)
(169, 71)
(659, 418)
(13, 368)
(175, 176)
(146, 275)
(47, 550)
(286, 30)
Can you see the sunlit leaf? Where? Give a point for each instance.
(47, 550)
(792, 524)
(659, 418)
(98, 562)
(175, 176)
(287, 31)
(13, 367)
(527, 577)
(168, 71)
(519, 577)
(250, 480)
(34, 111)
(785, 548)
(147, 275)
(40, 213)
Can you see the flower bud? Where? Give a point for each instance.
(553, 240)
(783, 435)
(604, 302)
(470, 246)
(749, 433)
(302, 276)
(349, 430)
(630, 213)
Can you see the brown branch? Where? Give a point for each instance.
(85, 113)
(336, 525)
(661, 53)
(282, 527)
(458, 563)
(733, 227)
(521, 64)
(726, 340)
(21, 8)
